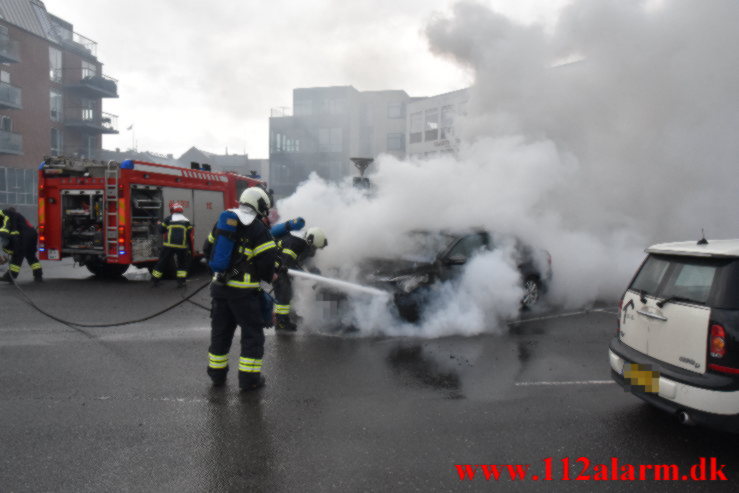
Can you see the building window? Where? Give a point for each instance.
(17, 186)
(88, 69)
(6, 123)
(416, 132)
(462, 108)
(55, 64)
(396, 110)
(329, 140)
(57, 142)
(4, 76)
(333, 106)
(303, 107)
(283, 143)
(90, 147)
(88, 110)
(447, 121)
(55, 102)
(396, 142)
(432, 125)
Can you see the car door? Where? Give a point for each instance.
(453, 261)
(678, 331)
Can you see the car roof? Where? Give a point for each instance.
(713, 248)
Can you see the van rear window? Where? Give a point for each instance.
(690, 282)
(650, 276)
(679, 277)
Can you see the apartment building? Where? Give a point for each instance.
(52, 89)
(327, 126)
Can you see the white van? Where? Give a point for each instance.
(677, 345)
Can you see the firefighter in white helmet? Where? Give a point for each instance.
(295, 249)
(243, 256)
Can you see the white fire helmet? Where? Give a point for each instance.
(257, 199)
(316, 237)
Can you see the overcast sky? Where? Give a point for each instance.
(206, 74)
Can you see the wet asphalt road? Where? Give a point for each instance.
(131, 409)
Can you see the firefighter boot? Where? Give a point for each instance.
(38, 276)
(251, 381)
(217, 376)
(283, 322)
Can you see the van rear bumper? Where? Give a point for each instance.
(709, 399)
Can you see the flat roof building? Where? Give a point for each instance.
(329, 125)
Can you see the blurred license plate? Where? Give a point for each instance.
(642, 377)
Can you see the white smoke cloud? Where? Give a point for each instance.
(592, 160)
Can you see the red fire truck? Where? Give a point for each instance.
(105, 214)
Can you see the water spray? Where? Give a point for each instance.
(344, 285)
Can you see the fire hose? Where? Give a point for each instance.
(77, 326)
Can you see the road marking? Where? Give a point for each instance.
(571, 382)
(562, 315)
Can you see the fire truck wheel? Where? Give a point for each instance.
(100, 269)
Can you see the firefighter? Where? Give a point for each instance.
(178, 244)
(294, 251)
(19, 240)
(243, 254)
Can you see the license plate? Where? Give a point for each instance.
(642, 377)
(53, 254)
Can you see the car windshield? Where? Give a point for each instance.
(425, 246)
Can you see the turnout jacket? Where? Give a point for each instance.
(252, 257)
(178, 230)
(293, 251)
(13, 226)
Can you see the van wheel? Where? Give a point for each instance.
(532, 292)
(107, 271)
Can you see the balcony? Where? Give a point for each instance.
(9, 50)
(71, 40)
(11, 143)
(93, 86)
(82, 153)
(89, 121)
(10, 97)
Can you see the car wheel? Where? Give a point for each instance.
(532, 292)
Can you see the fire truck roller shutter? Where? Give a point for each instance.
(208, 206)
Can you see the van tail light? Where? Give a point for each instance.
(717, 342)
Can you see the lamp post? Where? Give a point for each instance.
(362, 163)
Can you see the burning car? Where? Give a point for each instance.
(434, 257)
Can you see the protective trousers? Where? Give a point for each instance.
(182, 256)
(25, 247)
(283, 291)
(226, 314)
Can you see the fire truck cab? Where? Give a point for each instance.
(106, 214)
